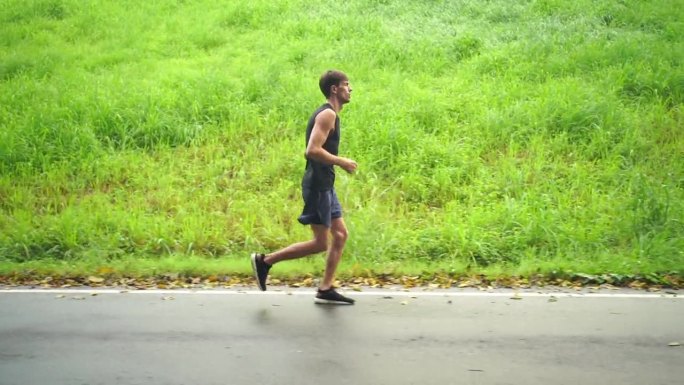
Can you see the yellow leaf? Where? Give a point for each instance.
(104, 270)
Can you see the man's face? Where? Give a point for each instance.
(344, 91)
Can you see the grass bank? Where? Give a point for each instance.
(499, 137)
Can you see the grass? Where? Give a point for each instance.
(498, 137)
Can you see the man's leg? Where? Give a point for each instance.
(326, 293)
(339, 238)
(318, 244)
(261, 263)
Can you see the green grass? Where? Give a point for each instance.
(498, 137)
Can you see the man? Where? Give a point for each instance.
(322, 210)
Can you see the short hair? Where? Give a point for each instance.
(331, 78)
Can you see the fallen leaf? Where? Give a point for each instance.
(168, 298)
(553, 299)
(674, 344)
(93, 279)
(60, 296)
(404, 302)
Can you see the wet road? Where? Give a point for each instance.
(388, 337)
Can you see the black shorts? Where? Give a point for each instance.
(320, 207)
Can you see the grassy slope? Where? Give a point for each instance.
(498, 137)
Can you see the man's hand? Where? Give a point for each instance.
(348, 165)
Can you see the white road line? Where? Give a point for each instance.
(369, 293)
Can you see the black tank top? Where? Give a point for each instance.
(317, 175)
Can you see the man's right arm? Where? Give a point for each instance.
(323, 125)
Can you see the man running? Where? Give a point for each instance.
(322, 210)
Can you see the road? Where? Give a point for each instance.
(103, 337)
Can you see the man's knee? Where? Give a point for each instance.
(340, 235)
(320, 244)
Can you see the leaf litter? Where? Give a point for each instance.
(108, 278)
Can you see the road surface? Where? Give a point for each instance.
(103, 337)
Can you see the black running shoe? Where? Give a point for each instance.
(260, 270)
(330, 296)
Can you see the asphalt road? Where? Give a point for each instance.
(388, 337)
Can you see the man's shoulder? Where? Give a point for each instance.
(326, 114)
